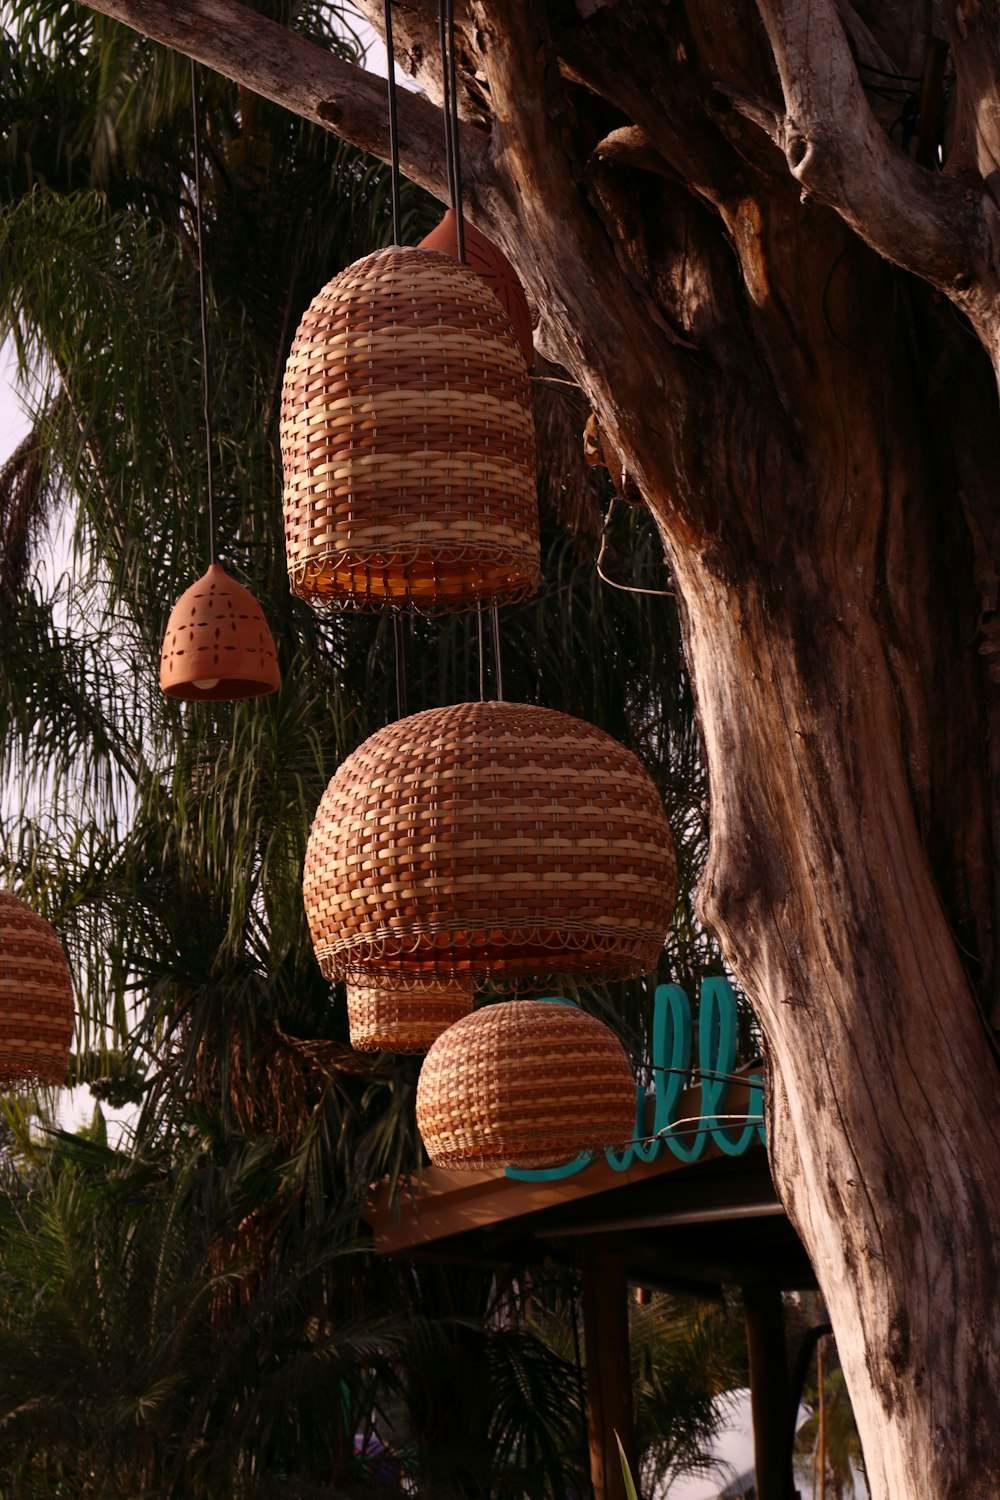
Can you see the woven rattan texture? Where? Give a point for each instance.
(36, 998)
(525, 1083)
(490, 839)
(387, 1015)
(217, 633)
(408, 441)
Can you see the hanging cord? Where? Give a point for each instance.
(397, 215)
(626, 588)
(455, 161)
(202, 307)
(399, 641)
(449, 80)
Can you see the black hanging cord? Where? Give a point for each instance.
(449, 67)
(202, 303)
(399, 642)
(397, 215)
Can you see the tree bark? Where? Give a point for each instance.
(702, 202)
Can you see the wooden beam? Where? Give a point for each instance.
(765, 1325)
(609, 1374)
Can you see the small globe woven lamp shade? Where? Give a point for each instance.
(218, 645)
(386, 1014)
(526, 1083)
(483, 257)
(489, 839)
(36, 998)
(408, 441)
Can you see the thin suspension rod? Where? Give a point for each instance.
(397, 215)
(202, 308)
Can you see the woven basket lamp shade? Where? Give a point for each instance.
(483, 257)
(408, 441)
(489, 839)
(387, 1015)
(218, 645)
(36, 998)
(526, 1083)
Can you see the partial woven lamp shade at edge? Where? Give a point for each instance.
(524, 1083)
(489, 262)
(218, 646)
(36, 999)
(407, 439)
(489, 840)
(387, 1015)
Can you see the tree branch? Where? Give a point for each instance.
(276, 63)
(923, 221)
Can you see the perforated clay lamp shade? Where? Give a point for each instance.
(407, 439)
(36, 999)
(490, 840)
(218, 645)
(387, 1015)
(489, 262)
(524, 1083)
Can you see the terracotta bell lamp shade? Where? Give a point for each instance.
(218, 645)
(387, 1015)
(489, 839)
(36, 999)
(526, 1083)
(407, 438)
(483, 257)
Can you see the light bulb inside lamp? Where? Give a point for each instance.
(206, 683)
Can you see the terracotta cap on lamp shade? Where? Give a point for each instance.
(36, 998)
(218, 645)
(483, 257)
(525, 1083)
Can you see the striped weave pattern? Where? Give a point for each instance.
(36, 998)
(408, 441)
(386, 1014)
(489, 839)
(526, 1083)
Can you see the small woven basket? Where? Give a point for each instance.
(218, 645)
(489, 839)
(36, 998)
(408, 441)
(385, 1015)
(526, 1083)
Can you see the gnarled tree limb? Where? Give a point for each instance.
(921, 220)
(273, 61)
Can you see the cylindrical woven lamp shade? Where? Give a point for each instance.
(36, 998)
(218, 645)
(526, 1083)
(408, 442)
(386, 1015)
(489, 262)
(490, 839)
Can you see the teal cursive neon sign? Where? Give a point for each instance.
(673, 1035)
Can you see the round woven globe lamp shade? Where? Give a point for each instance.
(483, 257)
(408, 442)
(386, 1014)
(525, 1083)
(491, 840)
(218, 645)
(36, 999)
